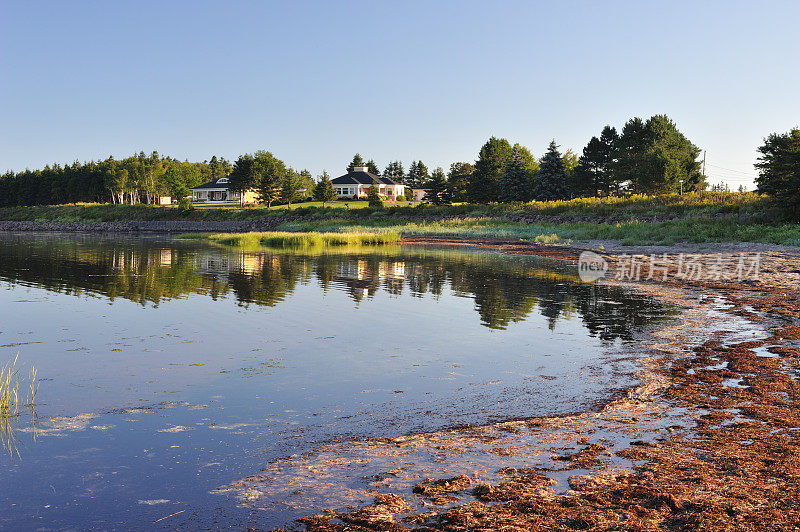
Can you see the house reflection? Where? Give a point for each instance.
(504, 289)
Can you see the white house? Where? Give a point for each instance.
(358, 182)
(218, 191)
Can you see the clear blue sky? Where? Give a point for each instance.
(315, 82)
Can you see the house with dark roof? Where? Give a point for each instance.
(358, 182)
(218, 191)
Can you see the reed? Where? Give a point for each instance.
(12, 402)
(301, 240)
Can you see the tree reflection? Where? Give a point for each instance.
(505, 289)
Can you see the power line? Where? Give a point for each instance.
(729, 169)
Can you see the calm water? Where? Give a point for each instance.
(170, 368)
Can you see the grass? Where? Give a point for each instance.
(697, 229)
(11, 404)
(300, 240)
(636, 206)
(634, 220)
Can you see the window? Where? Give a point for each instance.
(222, 180)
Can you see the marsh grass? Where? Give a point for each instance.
(16, 398)
(633, 232)
(301, 240)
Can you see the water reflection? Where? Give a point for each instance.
(505, 289)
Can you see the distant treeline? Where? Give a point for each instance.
(136, 179)
(646, 157)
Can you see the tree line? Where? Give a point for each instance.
(646, 157)
(136, 179)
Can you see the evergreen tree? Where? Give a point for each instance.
(417, 175)
(457, 178)
(484, 186)
(609, 138)
(373, 197)
(243, 176)
(323, 190)
(590, 173)
(372, 168)
(437, 191)
(395, 172)
(357, 161)
(515, 182)
(551, 182)
(531, 166)
(654, 157)
(779, 169)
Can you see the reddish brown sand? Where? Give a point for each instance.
(709, 439)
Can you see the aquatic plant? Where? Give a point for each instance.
(12, 403)
(301, 240)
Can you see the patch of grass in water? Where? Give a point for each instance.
(12, 404)
(300, 240)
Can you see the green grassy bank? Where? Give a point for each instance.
(633, 220)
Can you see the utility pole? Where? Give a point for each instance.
(704, 163)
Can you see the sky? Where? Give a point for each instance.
(316, 82)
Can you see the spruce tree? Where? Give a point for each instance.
(779, 170)
(590, 173)
(323, 190)
(457, 179)
(484, 186)
(373, 168)
(395, 172)
(437, 192)
(551, 182)
(417, 175)
(514, 184)
(357, 161)
(373, 197)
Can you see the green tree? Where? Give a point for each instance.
(291, 187)
(176, 180)
(395, 172)
(515, 181)
(589, 175)
(551, 182)
(779, 169)
(458, 177)
(306, 184)
(243, 176)
(609, 138)
(271, 175)
(373, 168)
(654, 157)
(373, 197)
(357, 161)
(417, 175)
(323, 190)
(438, 193)
(484, 185)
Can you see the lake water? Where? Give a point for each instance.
(168, 368)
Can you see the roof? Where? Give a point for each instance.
(361, 177)
(214, 184)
